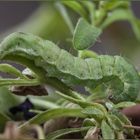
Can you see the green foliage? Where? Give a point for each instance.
(89, 122)
(85, 35)
(61, 70)
(3, 120)
(125, 121)
(124, 104)
(115, 122)
(7, 100)
(42, 57)
(76, 6)
(55, 113)
(93, 112)
(11, 70)
(65, 15)
(56, 134)
(107, 131)
(113, 4)
(123, 14)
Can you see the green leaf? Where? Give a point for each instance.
(115, 122)
(85, 35)
(91, 9)
(44, 104)
(97, 93)
(89, 122)
(62, 132)
(136, 27)
(11, 70)
(92, 134)
(74, 100)
(65, 15)
(73, 94)
(94, 112)
(77, 7)
(100, 107)
(123, 14)
(125, 121)
(7, 100)
(120, 135)
(3, 120)
(116, 15)
(113, 4)
(107, 131)
(22, 82)
(109, 105)
(55, 113)
(124, 104)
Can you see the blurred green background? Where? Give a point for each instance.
(44, 19)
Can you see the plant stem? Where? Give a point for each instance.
(23, 82)
(132, 127)
(102, 16)
(35, 111)
(42, 76)
(73, 100)
(38, 129)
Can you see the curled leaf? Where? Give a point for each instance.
(92, 134)
(89, 122)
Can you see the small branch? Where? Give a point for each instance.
(42, 78)
(22, 82)
(132, 127)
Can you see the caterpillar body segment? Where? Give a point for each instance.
(60, 64)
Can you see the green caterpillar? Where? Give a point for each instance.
(71, 70)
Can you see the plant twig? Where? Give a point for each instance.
(132, 127)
